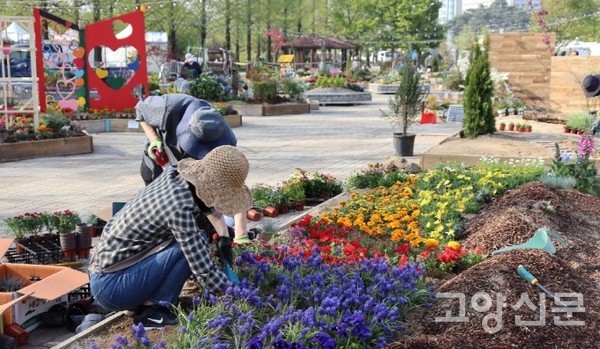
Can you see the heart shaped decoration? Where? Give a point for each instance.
(124, 64)
(101, 73)
(79, 52)
(121, 29)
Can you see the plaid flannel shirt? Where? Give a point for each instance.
(163, 210)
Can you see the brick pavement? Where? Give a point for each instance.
(335, 139)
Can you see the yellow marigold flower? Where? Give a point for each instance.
(432, 244)
(454, 245)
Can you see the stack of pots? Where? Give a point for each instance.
(77, 243)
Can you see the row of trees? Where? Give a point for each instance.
(240, 25)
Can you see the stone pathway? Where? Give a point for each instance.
(335, 139)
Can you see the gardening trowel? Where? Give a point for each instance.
(231, 275)
(525, 274)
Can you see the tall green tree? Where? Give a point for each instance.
(570, 19)
(497, 17)
(479, 116)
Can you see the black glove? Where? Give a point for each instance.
(224, 251)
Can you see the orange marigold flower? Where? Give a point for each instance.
(431, 244)
(454, 245)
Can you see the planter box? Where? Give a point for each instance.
(233, 120)
(272, 109)
(46, 148)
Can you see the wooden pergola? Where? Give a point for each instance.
(307, 46)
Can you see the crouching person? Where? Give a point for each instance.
(156, 242)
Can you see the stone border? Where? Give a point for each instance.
(339, 96)
(271, 109)
(46, 148)
(383, 88)
(75, 340)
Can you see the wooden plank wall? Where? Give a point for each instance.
(566, 93)
(526, 59)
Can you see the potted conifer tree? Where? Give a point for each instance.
(405, 107)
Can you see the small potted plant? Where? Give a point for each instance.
(23, 227)
(502, 126)
(520, 107)
(528, 128)
(295, 194)
(511, 126)
(97, 225)
(501, 107)
(404, 107)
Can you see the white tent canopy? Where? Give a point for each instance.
(15, 32)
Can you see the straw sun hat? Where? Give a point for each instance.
(219, 179)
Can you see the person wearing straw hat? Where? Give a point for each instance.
(153, 244)
(180, 126)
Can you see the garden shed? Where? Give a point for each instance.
(316, 49)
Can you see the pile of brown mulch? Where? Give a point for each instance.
(513, 218)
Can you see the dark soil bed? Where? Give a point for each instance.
(513, 218)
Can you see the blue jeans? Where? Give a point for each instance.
(159, 277)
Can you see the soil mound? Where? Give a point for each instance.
(493, 307)
(494, 292)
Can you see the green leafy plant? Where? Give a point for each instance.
(27, 224)
(261, 195)
(292, 88)
(208, 88)
(580, 120)
(65, 220)
(293, 191)
(265, 90)
(405, 105)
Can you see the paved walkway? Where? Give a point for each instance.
(335, 139)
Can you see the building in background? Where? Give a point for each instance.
(449, 10)
(524, 4)
(474, 4)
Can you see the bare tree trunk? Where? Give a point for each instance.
(237, 41)
(203, 23)
(249, 31)
(269, 44)
(269, 40)
(228, 25)
(171, 31)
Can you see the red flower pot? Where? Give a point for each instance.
(253, 214)
(270, 211)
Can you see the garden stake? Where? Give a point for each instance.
(525, 274)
